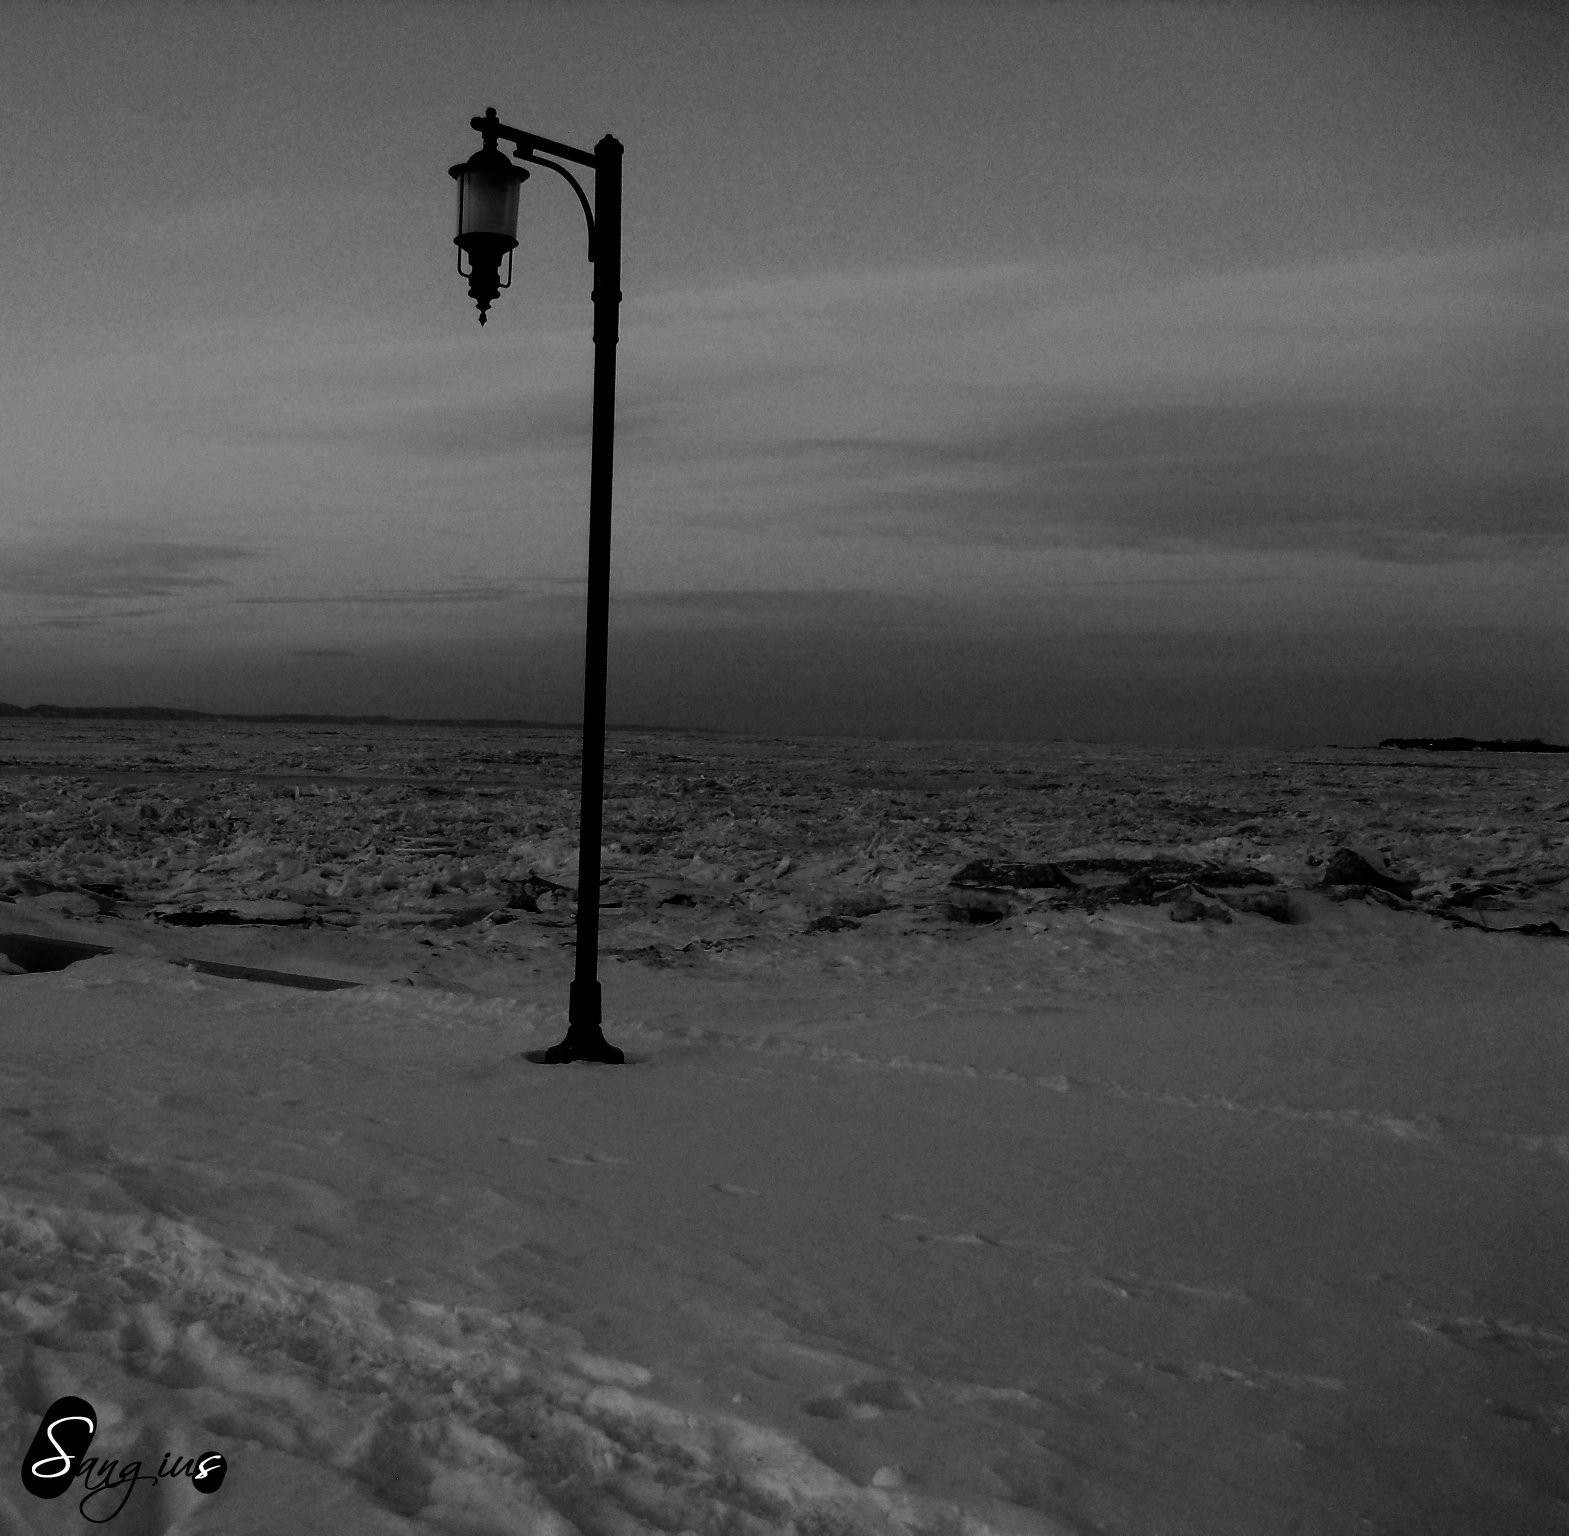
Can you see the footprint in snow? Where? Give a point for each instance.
(1140, 1288)
(343, 1399)
(975, 1239)
(867, 1399)
(1530, 1339)
(1208, 1373)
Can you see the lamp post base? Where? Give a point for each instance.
(585, 1049)
(584, 1041)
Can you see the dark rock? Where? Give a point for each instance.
(1273, 903)
(861, 904)
(1154, 881)
(831, 924)
(1145, 888)
(1188, 904)
(1236, 875)
(1091, 884)
(1486, 897)
(1019, 877)
(977, 907)
(207, 913)
(35, 952)
(1157, 864)
(1345, 866)
(275, 978)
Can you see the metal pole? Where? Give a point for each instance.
(585, 1041)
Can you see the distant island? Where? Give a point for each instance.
(1467, 744)
(156, 712)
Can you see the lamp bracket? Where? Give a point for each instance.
(527, 148)
(582, 197)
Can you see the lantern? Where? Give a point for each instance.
(488, 185)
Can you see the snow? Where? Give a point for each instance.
(1079, 1220)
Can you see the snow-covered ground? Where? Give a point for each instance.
(920, 1218)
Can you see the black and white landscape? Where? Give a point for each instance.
(999, 446)
(1014, 1139)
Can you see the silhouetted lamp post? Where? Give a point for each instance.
(488, 185)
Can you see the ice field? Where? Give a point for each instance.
(904, 1216)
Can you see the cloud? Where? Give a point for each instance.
(1375, 477)
(1398, 406)
(475, 592)
(1404, 406)
(241, 218)
(114, 566)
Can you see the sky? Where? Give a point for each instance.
(1168, 374)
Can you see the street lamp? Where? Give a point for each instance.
(488, 186)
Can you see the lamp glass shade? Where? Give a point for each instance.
(488, 197)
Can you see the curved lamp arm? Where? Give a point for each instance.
(527, 146)
(582, 197)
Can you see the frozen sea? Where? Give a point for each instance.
(1071, 1219)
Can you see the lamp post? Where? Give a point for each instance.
(488, 186)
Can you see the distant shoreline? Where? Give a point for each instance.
(156, 712)
(1467, 744)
